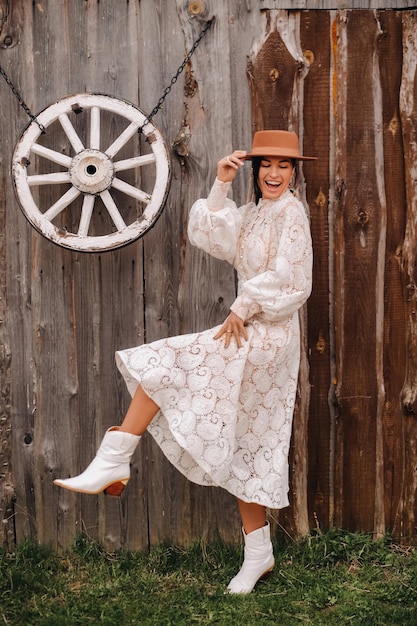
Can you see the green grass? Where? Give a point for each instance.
(335, 578)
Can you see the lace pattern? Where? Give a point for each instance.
(226, 413)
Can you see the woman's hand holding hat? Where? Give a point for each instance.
(229, 165)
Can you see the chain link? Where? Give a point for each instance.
(176, 75)
(20, 99)
(154, 110)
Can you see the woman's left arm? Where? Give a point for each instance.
(278, 293)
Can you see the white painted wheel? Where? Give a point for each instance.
(91, 182)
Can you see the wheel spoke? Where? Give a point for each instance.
(51, 155)
(131, 191)
(71, 133)
(128, 164)
(86, 214)
(121, 140)
(49, 179)
(61, 204)
(113, 210)
(95, 128)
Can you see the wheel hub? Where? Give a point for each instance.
(91, 171)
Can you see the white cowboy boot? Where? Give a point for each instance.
(258, 561)
(110, 469)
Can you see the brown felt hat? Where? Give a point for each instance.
(277, 143)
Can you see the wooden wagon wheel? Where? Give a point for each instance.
(88, 172)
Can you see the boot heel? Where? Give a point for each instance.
(116, 489)
(266, 574)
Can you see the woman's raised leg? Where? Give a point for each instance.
(140, 413)
(109, 471)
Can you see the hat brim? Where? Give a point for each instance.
(283, 154)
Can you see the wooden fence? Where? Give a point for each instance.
(343, 75)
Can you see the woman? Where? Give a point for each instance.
(220, 402)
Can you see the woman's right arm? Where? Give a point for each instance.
(214, 223)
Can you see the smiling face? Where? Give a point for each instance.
(274, 176)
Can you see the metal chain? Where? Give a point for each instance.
(154, 110)
(176, 75)
(21, 101)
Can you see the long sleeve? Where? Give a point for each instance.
(277, 293)
(214, 223)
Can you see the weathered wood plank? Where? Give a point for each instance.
(7, 493)
(409, 256)
(241, 22)
(18, 276)
(273, 70)
(360, 235)
(390, 54)
(315, 43)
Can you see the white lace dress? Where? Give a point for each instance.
(226, 413)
